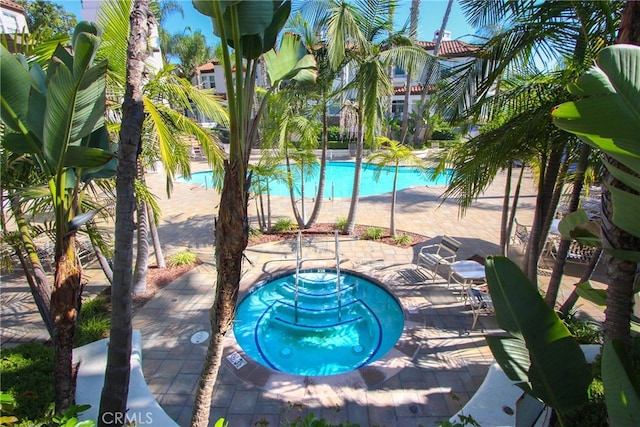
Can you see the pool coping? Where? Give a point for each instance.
(400, 356)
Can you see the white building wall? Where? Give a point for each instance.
(12, 21)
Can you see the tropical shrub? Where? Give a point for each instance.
(341, 223)
(283, 224)
(584, 331)
(372, 233)
(182, 258)
(402, 239)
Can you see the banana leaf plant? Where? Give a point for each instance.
(57, 117)
(250, 28)
(538, 351)
(607, 117)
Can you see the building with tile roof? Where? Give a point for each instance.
(13, 23)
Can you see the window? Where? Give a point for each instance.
(208, 81)
(9, 22)
(397, 71)
(397, 109)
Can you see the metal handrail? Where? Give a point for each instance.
(338, 277)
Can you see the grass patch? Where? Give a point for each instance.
(372, 233)
(94, 321)
(182, 258)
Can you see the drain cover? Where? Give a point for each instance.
(199, 337)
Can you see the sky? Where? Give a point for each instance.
(431, 14)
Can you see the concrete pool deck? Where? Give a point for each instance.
(447, 367)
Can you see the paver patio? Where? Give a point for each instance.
(450, 359)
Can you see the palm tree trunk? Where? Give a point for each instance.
(571, 300)
(355, 194)
(65, 305)
(157, 247)
(142, 255)
(323, 173)
(231, 240)
(38, 283)
(561, 257)
(504, 236)
(514, 206)
(429, 73)
(621, 274)
(392, 225)
(553, 205)
(115, 391)
(292, 195)
(546, 186)
(414, 16)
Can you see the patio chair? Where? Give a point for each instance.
(520, 235)
(434, 256)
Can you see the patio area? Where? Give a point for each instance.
(444, 360)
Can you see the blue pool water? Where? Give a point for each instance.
(326, 336)
(339, 180)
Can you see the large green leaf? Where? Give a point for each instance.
(16, 84)
(558, 373)
(626, 206)
(291, 59)
(86, 157)
(621, 386)
(588, 292)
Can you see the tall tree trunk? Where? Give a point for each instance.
(563, 249)
(621, 274)
(392, 224)
(157, 247)
(571, 300)
(231, 240)
(514, 206)
(113, 401)
(504, 235)
(553, 205)
(428, 75)
(142, 228)
(355, 194)
(65, 305)
(292, 195)
(414, 17)
(323, 172)
(546, 187)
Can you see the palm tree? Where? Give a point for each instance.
(428, 76)
(393, 155)
(167, 132)
(554, 31)
(251, 28)
(191, 49)
(356, 30)
(414, 17)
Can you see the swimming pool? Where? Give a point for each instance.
(327, 332)
(339, 180)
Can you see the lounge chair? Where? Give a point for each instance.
(433, 256)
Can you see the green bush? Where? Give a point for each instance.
(283, 224)
(26, 372)
(341, 224)
(372, 233)
(182, 258)
(254, 232)
(402, 239)
(585, 331)
(337, 145)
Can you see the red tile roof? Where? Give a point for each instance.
(451, 48)
(206, 68)
(12, 5)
